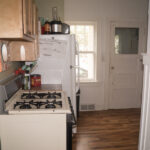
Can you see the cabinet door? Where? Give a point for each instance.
(27, 17)
(35, 28)
(22, 51)
(10, 19)
(1, 61)
(37, 47)
(35, 20)
(30, 17)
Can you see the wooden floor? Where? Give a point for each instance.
(108, 130)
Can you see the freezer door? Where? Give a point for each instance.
(71, 73)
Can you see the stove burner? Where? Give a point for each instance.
(36, 95)
(50, 106)
(53, 104)
(27, 96)
(58, 103)
(37, 104)
(53, 95)
(25, 106)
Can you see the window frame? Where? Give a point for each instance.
(94, 52)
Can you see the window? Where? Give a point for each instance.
(126, 40)
(86, 37)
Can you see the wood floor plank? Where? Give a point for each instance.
(108, 130)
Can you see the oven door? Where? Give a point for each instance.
(71, 121)
(78, 102)
(69, 132)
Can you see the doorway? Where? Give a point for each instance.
(126, 68)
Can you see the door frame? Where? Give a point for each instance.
(127, 24)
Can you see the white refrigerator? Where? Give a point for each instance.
(59, 63)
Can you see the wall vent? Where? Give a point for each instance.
(91, 107)
(85, 107)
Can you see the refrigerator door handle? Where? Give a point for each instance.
(72, 67)
(77, 48)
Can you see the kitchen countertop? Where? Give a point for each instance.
(51, 87)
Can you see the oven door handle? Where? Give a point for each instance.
(74, 122)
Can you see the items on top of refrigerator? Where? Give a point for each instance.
(47, 27)
(55, 26)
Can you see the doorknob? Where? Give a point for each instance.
(112, 67)
(141, 60)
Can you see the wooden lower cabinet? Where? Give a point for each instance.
(23, 51)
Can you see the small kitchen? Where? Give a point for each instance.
(58, 60)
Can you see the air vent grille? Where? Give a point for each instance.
(85, 107)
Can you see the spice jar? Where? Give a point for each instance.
(35, 80)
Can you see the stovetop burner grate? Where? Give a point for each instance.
(38, 104)
(37, 95)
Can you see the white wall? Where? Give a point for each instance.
(103, 12)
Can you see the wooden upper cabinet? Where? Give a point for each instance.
(28, 16)
(35, 20)
(25, 17)
(22, 51)
(17, 19)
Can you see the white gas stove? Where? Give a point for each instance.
(42, 101)
(34, 116)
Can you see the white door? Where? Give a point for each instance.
(126, 70)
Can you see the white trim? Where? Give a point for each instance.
(145, 113)
(146, 59)
(145, 116)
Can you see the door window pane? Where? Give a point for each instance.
(86, 66)
(126, 40)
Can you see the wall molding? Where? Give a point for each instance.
(145, 115)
